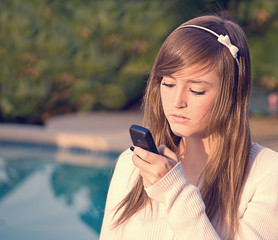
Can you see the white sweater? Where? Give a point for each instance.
(179, 211)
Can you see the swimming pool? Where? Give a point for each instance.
(52, 193)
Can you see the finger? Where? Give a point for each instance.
(140, 163)
(145, 155)
(165, 151)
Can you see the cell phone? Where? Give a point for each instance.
(142, 137)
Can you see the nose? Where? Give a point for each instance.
(180, 100)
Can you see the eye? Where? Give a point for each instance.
(169, 85)
(197, 92)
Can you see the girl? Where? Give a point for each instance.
(209, 180)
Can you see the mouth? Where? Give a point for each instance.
(179, 118)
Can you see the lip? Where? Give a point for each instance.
(179, 118)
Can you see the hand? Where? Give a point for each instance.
(152, 166)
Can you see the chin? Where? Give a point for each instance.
(178, 131)
(179, 134)
(183, 131)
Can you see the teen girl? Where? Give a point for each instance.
(209, 180)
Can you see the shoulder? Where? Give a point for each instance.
(125, 171)
(123, 179)
(262, 174)
(264, 162)
(124, 163)
(264, 159)
(126, 155)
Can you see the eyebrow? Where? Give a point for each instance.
(193, 81)
(198, 81)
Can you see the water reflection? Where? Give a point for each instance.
(42, 198)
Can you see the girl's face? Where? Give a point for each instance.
(187, 99)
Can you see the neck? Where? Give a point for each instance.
(194, 155)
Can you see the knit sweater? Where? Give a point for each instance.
(178, 211)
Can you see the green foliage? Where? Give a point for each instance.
(65, 56)
(260, 18)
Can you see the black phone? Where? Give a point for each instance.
(142, 137)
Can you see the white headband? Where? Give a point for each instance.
(225, 40)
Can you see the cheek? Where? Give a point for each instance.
(203, 108)
(165, 99)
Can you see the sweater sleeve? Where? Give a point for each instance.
(185, 207)
(186, 210)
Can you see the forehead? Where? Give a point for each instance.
(196, 74)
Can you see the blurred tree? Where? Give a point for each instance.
(260, 18)
(65, 56)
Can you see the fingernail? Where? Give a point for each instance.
(131, 148)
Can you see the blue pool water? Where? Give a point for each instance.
(51, 193)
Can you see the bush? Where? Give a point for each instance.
(65, 56)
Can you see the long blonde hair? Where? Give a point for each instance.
(225, 171)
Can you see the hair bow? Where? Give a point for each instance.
(225, 40)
